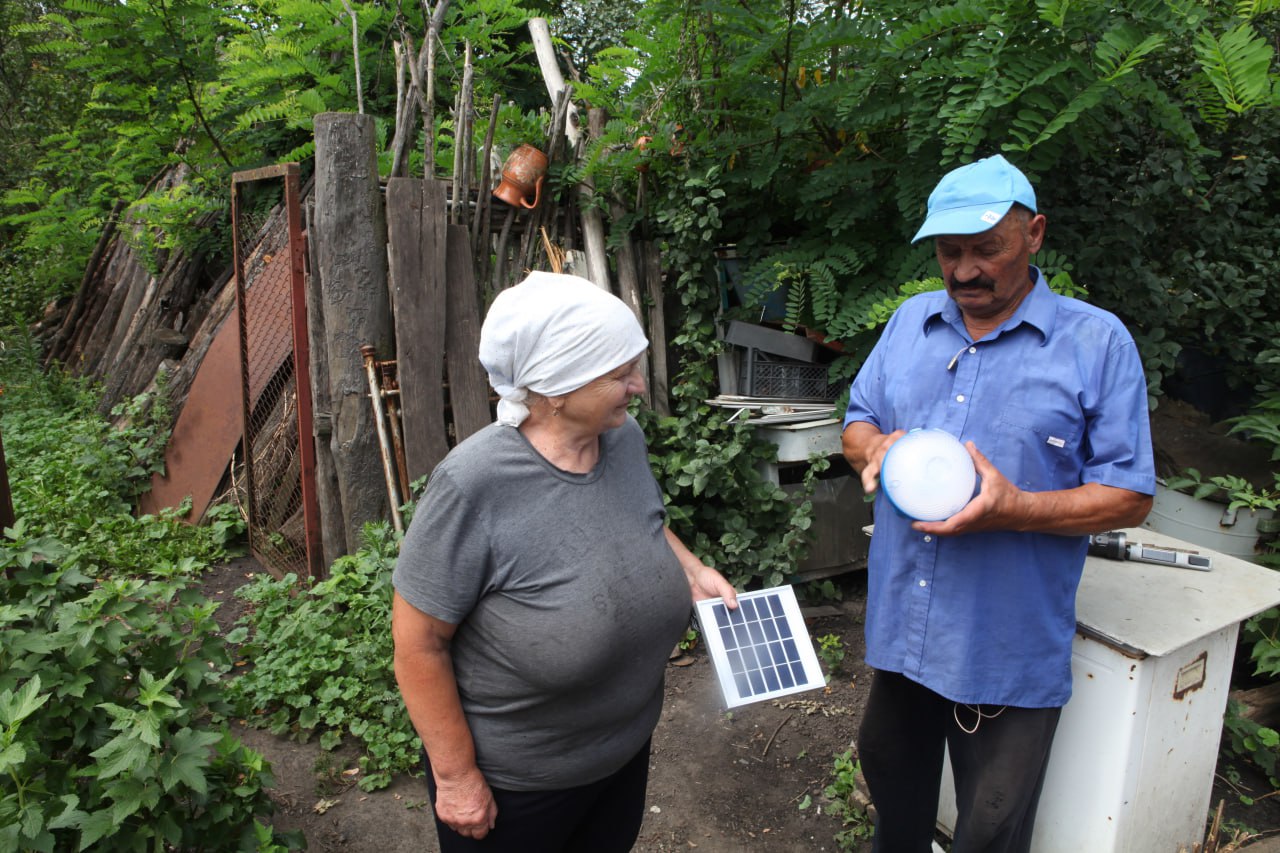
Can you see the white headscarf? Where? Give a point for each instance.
(552, 334)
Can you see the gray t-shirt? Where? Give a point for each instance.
(567, 598)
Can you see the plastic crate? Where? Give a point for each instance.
(794, 380)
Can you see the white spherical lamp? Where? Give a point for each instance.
(928, 475)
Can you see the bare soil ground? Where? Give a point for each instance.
(723, 782)
(719, 781)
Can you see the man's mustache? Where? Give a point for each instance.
(979, 283)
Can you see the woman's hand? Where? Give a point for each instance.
(424, 670)
(704, 581)
(465, 804)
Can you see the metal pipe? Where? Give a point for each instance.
(384, 444)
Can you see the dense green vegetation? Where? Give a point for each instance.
(112, 672)
(322, 660)
(806, 134)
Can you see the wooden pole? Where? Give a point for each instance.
(630, 287)
(481, 238)
(333, 526)
(659, 383)
(540, 33)
(593, 242)
(350, 230)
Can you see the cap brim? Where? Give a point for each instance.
(973, 219)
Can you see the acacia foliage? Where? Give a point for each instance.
(213, 87)
(1147, 128)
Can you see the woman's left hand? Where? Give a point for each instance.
(704, 581)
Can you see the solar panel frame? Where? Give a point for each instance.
(762, 650)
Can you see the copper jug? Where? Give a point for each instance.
(522, 176)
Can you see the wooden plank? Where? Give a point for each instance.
(468, 382)
(417, 288)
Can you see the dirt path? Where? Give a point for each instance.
(720, 782)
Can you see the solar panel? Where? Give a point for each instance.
(760, 650)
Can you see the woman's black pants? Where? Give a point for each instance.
(602, 817)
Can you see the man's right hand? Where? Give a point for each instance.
(864, 447)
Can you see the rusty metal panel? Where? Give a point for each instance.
(206, 432)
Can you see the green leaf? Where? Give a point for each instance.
(16, 707)
(122, 754)
(187, 759)
(95, 827)
(12, 756)
(70, 816)
(1238, 65)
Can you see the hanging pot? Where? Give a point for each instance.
(522, 176)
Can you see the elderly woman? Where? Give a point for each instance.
(539, 592)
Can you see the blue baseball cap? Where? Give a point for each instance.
(973, 198)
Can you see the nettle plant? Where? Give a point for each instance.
(109, 689)
(322, 660)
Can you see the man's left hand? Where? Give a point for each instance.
(999, 504)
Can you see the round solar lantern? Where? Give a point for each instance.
(928, 475)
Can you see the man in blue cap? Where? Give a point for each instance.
(970, 620)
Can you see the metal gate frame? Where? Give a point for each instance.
(260, 539)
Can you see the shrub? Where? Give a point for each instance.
(322, 660)
(108, 691)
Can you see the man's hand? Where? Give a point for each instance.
(999, 504)
(864, 447)
(465, 804)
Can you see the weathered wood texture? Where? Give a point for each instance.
(468, 382)
(350, 234)
(333, 530)
(416, 250)
(660, 384)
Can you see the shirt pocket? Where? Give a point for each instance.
(1039, 449)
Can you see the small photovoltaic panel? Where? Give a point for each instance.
(761, 650)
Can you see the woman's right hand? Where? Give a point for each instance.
(465, 804)
(424, 670)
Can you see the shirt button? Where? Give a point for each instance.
(923, 584)
(972, 350)
(928, 538)
(959, 398)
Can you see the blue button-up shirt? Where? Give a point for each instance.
(1055, 397)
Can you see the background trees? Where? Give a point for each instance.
(818, 128)
(1148, 130)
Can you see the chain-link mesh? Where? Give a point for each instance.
(269, 486)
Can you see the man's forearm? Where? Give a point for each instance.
(1087, 509)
